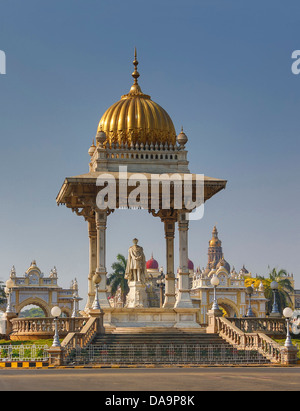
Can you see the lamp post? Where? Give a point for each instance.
(215, 311)
(215, 282)
(288, 312)
(75, 308)
(161, 282)
(97, 280)
(55, 312)
(275, 311)
(249, 292)
(9, 285)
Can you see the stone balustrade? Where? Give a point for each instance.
(256, 340)
(38, 328)
(169, 155)
(269, 326)
(77, 339)
(153, 156)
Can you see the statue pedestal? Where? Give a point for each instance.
(137, 296)
(151, 319)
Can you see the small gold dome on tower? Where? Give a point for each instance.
(215, 242)
(137, 119)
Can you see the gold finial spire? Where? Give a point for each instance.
(135, 88)
(135, 74)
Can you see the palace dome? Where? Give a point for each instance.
(215, 242)
(190, 265)
(137, 119)
(224, 263)
(152, 264)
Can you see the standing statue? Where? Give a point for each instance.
(136, 264)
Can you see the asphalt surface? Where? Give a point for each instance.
(131, 381)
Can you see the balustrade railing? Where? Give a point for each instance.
(249, 341)
(80, 339)
(245, 335)
(45, 326)
(142, 153)
(271, 326)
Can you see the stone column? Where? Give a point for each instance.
(92, 261)
(183, 295)
(101, 220)
(170, 298)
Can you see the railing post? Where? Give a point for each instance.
(55, 356)
(289, 355)
(9, 316)
(99, 314)
(213, 326)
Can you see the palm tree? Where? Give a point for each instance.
(283, 294)
(117, 278)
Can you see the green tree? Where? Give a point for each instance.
(117, 278)
(32, 312)
(283, 294)
(2, 293)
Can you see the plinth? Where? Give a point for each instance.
(137, 296)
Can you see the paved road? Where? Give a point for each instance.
(172, 379)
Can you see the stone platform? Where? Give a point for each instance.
(133, 320)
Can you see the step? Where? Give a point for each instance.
(160, 340)
(145, 330)
(153, 330)
(141, 339)
(159, 335)
(164, 348)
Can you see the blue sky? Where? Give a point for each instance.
(222, 69)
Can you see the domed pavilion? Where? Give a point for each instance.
(136, 142)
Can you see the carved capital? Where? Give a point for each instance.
(165, 215)
(86, 212)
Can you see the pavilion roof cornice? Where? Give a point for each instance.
(80, 191)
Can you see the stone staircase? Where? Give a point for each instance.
(177, 338)
(164, 348)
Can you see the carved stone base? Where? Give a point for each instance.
(289, 355)
(55, 356)
(137, 296)
(152, 319)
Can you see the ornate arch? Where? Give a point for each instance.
(34, 301)
(222, 270)
(66, 310)
(226, 302)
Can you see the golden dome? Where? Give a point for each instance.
(215, 242)
(137, 119)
